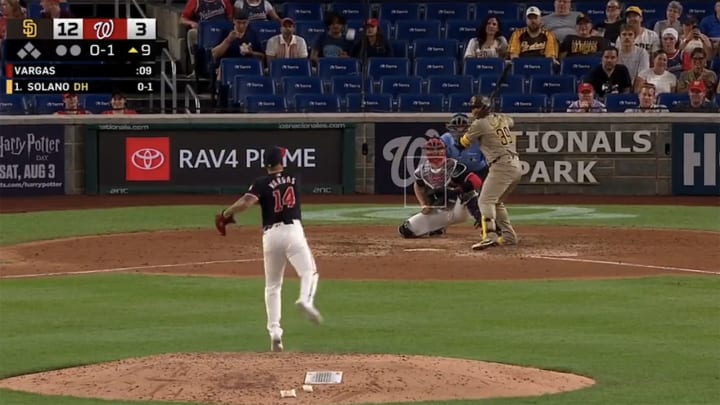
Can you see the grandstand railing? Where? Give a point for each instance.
(190, 94)
(169, 81)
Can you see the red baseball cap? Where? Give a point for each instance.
(373, 21)
(698, 85)
(586, 88)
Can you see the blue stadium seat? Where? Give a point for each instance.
(510, 25)
(435, 47)
(551, 84)
(595, 10)
(373, 102)
(49, 103)
(265, 29)
(426, 67)
(211, 33)
(329, 67)
(459, 102)
(699, 9)
(579, 66)
(715, 65)
(392, 12)
(420, 103)
(670, 100)
(231, 67)
(508, 10)
(515, 84)
(378, 67)
(621, 102)
(301, 85)
(97, 103)
(400, 48)
(450, 84)
(304, 11)
(417, 29)
(290, 67)
(653, 12)
(309, 30)
(396, 85)
(532, 66)
(523, 103)
(461, 30)
(351, 10)
(250, 86)
(265, 103)
(442, 11)
(306, 103)
(561, 101)
(13, 104)
(359, 25)
(483, 66)
(344, 85)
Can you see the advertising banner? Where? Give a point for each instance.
(695, 159)
(205, 158)
(32, 160)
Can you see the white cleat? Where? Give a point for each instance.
(310, 312)
(276, 345)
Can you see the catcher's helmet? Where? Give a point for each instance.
(458, 124)
(435, 151)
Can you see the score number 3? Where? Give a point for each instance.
(286, 200)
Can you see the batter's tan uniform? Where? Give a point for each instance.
(498, 145)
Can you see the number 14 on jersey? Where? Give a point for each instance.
(284, 200)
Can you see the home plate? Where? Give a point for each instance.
(424, 250)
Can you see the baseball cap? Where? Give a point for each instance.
(670, 31)
(274, 155)
(582, 18)
(586, 88)
(533, 11)
(634, 9)
(373, 21)
(690, 20)
(287, 20)
(698, 85)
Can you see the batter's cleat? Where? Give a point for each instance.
(437, 233)
(488, 242)
(310, 312)
(276, 345)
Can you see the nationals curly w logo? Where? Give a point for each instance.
(147, 159)
(105, 28)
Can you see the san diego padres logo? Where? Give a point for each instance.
(104, 29)
(147, 159)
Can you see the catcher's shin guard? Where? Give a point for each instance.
(405, 231)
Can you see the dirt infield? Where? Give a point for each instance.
(342, 252)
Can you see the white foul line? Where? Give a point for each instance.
(114, 269)
(648, 266)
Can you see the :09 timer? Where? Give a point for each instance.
(144, 70)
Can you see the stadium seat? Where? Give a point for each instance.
(351, 10)
(393, 12)
(621, 102)
(532, 66)
(595, 10)
(717, 100)
(373, 102)
(303, 11)
(417, 29)
(301, 85)
(579, 66)
(424, 48)
(670, 100)
(378, 67)
(461, 30)
(329, 67)
(97, 103)
(459, 102)
(442, 11)
(699, 9)
(344, 85)
(510, 25)
(653, 12)
(211, 33)
(290, 67)
(49, 103)
(523, 103)
(306, 103)
(426, 67)
(561, 101)
(552, 84)
(250, 86)
(309, 30)
(483, 66)
(514, 84)
(508, 10)
(231, 67)
(13, 104)
(395, 85)
(265, 103)
(359, 25)
(400, 48)
(420, 103)
(265, 29)
(450, 84)
(715, 65)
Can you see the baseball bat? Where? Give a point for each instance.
(500, 81)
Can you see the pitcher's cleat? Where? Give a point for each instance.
(310, 312)
(276, 345)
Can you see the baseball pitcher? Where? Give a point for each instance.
(446, 191)
(497, 143)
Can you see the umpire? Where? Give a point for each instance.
(471, 157)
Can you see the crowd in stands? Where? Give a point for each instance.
(589, 56)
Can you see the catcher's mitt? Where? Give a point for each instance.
(221, 222)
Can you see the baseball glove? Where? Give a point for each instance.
(221, 222)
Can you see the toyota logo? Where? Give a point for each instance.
(147, 159)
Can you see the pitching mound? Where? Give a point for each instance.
(256, 378)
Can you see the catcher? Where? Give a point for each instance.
(446, 191)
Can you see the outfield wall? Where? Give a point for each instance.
(608, 154)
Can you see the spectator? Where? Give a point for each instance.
(258, 10)
(669, 45)
(635, 58)
(286, 44)
(697, 102)
(52, 9)
(664, 81)
(333, 42)
(644, 38)
(533, 40)
(489, 41)
(586, 101)
(373, 43)
(698, 72)
(710, 25)
(610, 77)
(673, 12)
(582, 43)
(197, 11)
(562, 22)
(119, 105)
(610, 28)
(72, 105)
(648, 99)
(693, 38)
(9, 9)
(241, 42)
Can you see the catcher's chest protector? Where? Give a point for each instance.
(436, 178)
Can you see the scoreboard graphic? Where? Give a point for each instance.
(98, 55)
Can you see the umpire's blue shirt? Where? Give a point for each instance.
(471, 157)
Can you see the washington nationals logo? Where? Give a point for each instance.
(147, 159)
(104, 29)
(404, 152)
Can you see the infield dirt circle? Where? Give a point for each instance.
(342, 252)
